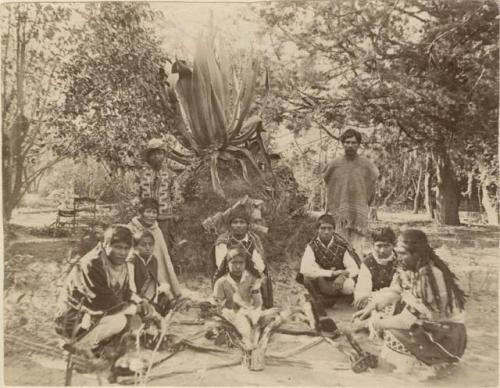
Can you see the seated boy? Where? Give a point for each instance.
(143, 270)
(96, 300)
(146, 221)
(378, 268)
(237, 288)
(328, 268)
(240, 236)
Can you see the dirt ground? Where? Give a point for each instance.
(34, 271)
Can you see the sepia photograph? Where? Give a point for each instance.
(250, 193)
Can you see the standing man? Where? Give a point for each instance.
(156, 181)
(350, 188)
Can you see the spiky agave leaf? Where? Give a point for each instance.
(236, 106)
(216, 184)
(275, 320)
(248, 129)
(208, 91)
(246, 153)
(242, 323)
(245, 96)
(267, 316)
(244, 170)
(179, 157)
(183, 90)
(228, 82)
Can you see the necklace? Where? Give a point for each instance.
(116, 273)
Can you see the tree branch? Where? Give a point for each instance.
(35, 175)
(4, 66)
(326, 130)
(412, 14)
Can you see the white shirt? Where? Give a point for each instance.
(309, 267)
(221, 251)
(226, 289)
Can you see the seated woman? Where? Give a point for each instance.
(239, 235)
(428, 328)
(378, 267)
(96, 302)
(237, 288)
(146, 221)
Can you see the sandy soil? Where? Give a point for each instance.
(471, 251)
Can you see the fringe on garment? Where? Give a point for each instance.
(359, 223)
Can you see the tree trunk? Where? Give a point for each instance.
(13, 166)
(37, 182)
(489, 194)
(447, 193)
(13, 163)
(372, 213)
(386, 199)
(417, 199)
(429, 205)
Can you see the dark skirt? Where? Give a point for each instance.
(434, 343)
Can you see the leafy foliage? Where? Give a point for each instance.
(111, 102)
(35, 39)
(425, 72)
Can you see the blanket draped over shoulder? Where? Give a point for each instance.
(350, 184)
(166, 273)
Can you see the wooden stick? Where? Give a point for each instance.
(310, 333)
(301, 348)
(189, 371)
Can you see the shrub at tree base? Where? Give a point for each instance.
(281, 200)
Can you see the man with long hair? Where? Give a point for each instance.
(428, 327)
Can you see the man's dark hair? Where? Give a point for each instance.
(350, 133)
(148, 203)
(118, 233)
(415, 241)
(325, 219)
(384, 234)
(143, 234)
(239, 213)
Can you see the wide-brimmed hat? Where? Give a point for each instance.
(153, 144)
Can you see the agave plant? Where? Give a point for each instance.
(215, 106)
(251, 329)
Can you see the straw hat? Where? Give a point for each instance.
(153, 144)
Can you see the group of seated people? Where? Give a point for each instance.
(402, 290)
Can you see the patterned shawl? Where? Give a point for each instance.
(166, 273)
